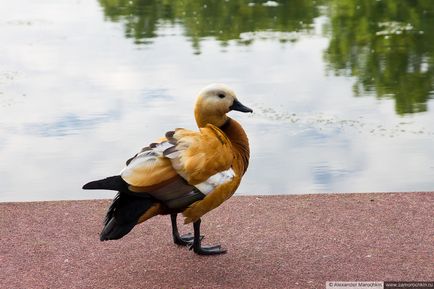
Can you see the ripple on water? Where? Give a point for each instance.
(323, 121)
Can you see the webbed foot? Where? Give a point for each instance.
(203, 250)
(184, 240)
(208, 250)
(181, 240)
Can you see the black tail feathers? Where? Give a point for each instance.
(114, 183)
(114, 231)
(123, 215)
(126, 209)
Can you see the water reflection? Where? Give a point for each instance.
(66, 125)
(388, 46)
(224, 21)
(77, 97)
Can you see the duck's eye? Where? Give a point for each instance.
(221, 95)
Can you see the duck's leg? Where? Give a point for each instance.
(184, 240)
(203, 250)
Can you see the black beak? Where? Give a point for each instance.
(239, 106)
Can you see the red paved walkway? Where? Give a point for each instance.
(272, 242)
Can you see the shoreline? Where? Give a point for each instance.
(286, 241)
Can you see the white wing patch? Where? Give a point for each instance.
(145, 158)
(216, 180)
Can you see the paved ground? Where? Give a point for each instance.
(272, 242)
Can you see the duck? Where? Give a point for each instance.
(185, 172)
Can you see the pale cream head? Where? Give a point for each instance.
(214, 102)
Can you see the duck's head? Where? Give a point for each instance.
(214, 102)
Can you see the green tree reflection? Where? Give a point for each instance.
(387, 45)
(222, 20)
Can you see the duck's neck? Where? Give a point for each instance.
(239, 140)
(204, 117)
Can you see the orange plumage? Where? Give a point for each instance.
(188, 172)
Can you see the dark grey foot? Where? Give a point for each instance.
(208, 250)
(184, 240)
(181, 240)
(203, 250)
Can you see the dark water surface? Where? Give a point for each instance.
(342, 90)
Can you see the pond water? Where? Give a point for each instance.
(342, 90)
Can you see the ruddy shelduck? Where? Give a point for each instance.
(188, 172)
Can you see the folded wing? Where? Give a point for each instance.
(149, 167)
(197, 156)
(201, 158)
